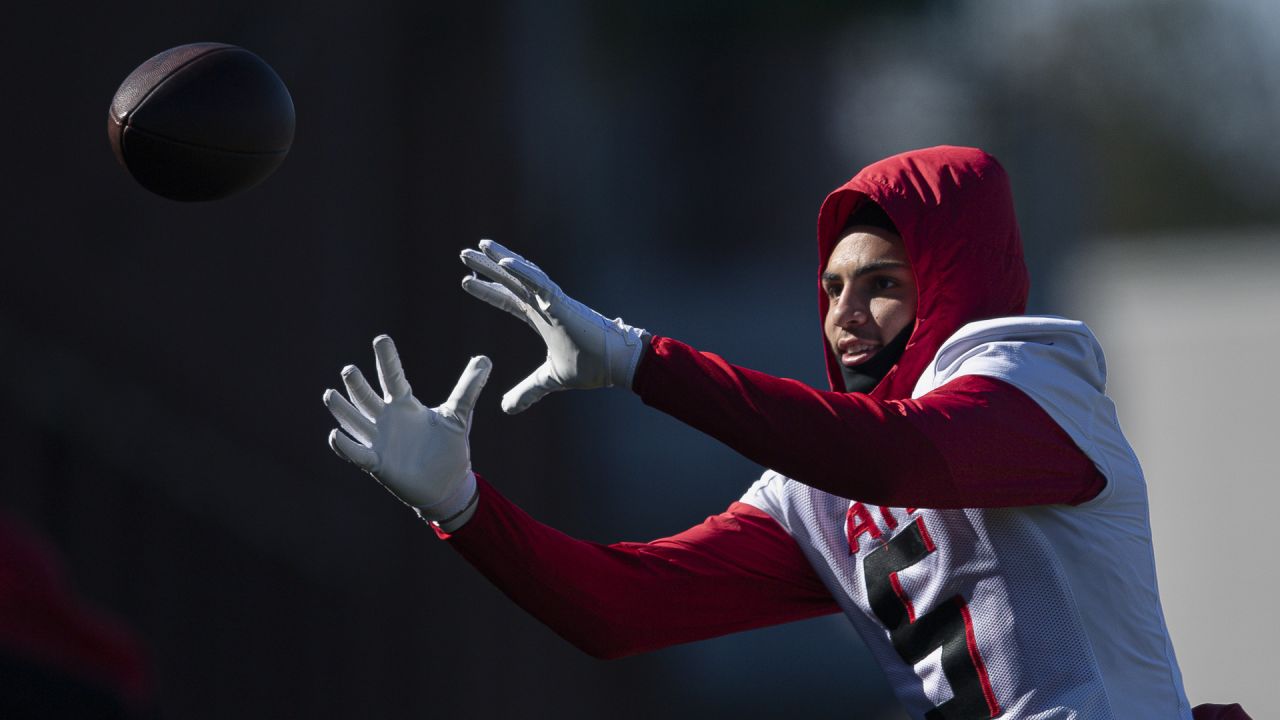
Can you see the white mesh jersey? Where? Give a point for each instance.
(1029, 613)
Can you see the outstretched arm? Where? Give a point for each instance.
(974, 442)
(736, 571)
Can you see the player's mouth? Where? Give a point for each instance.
(855, 351)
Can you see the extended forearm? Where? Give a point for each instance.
(976, 442)
(832, 441)
(736, 571)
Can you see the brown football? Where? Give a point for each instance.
(201, 122)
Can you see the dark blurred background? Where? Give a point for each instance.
(161, 364)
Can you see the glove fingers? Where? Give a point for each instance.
(482, 264)
(352, 451)
(351, 420)
(531, 276)
(530, 390)
(498, 296)
(390, 373)
(463, 398)
(362, 396)
(497, 251)
(504, 256)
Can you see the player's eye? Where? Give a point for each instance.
(883, 282)
(833, 291)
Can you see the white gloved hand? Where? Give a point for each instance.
(420, 454)
(584, 350)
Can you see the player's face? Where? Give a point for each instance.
(871, 292)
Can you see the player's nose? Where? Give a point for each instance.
(849, 310)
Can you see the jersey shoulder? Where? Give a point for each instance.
(1055, 361)
(1036, 350)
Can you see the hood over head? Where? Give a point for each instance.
(954, 210)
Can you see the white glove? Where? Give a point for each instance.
(584, 350)
(420, 454)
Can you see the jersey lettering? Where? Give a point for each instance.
(859, 522)
(889, 520)
(948, 626)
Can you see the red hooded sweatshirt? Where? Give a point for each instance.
(978, 440)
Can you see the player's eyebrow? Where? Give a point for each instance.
(875, 266)
(879, 265)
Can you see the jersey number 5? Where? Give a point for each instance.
(947, 626)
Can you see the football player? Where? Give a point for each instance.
(963, 493)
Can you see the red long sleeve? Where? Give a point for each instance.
(974, 442)
(736, 571)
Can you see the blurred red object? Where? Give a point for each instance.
(51, 640)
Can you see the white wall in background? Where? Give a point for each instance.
(1191, 330)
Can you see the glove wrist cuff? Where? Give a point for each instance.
(454, 510)
(627, 347)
